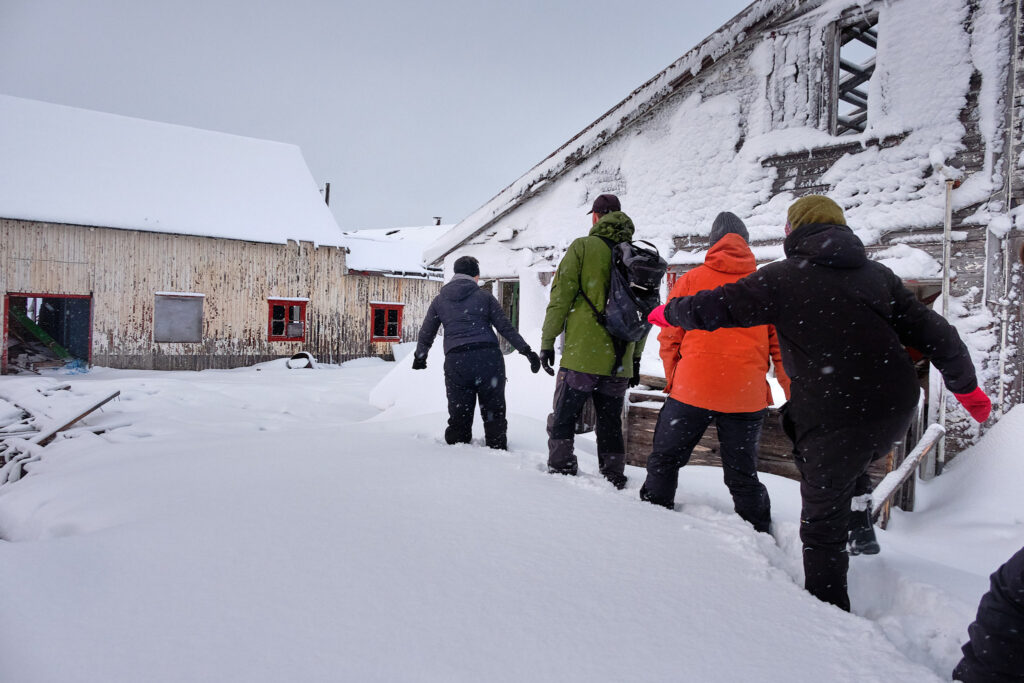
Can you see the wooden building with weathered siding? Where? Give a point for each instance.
(386, 269)
(880, 104)
(204, 250)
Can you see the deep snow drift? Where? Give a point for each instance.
(266, 524)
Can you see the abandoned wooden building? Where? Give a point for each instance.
(386, 269)
(135, 244)
(889, 107)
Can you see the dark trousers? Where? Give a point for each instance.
(477, 372)
(572, 389)
(995, 651)
(833, 460)
(679, 429)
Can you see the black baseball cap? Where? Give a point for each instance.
(605, 203)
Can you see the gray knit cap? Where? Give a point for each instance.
(724, 224)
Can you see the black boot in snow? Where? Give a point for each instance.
(646, 495)
(617, 480)
(862, 539)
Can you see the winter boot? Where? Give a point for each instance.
(561, 458)
(618, 480)
(645, 494)
(862, 539)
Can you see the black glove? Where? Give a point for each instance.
(534, 360)
(547, 360)
(635, 379)
(419, 362)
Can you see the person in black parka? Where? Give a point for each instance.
(843, 323)
(473, 364)
(995, 651)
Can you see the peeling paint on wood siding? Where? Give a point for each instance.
(123, 269)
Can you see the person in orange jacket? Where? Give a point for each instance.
(716, 377)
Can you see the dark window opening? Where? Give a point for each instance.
(386, 322)
(287, 320)
(46, 331)
(508, 291)
(855, 63)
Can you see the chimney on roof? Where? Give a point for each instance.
(327, 193)
(437, 220)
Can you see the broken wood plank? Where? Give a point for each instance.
(48, 435)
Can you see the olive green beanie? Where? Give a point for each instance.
(814, 208)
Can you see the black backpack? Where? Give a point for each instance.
(636, 275)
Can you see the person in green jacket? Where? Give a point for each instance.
(587, 368)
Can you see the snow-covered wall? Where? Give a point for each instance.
(747, 129)
(704, 148)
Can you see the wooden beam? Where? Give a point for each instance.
(47, 436)
(888, 487)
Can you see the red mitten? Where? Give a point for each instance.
(657, 317)
(976, 403)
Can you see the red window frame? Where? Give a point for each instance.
(386, 310)
(4, 311)
(285, 320)
(670, 278)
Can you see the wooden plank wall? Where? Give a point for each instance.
(354, 318)
(123, 269)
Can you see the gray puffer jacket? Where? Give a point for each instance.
(468, 314)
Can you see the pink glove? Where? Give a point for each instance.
(657, 317)
(976, 403)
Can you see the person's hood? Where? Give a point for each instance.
(731, 254)
(615, 226)
(834, 246)
(459, 288)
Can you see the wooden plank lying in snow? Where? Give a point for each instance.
(48, 435)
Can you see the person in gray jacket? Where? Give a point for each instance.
(473, 364)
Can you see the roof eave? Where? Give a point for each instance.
(604, 128)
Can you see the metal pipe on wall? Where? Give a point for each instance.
(947, 239)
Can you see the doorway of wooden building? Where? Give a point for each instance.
(46, 330)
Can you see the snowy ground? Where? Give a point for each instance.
(266, 524)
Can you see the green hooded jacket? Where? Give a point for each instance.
(587, 264)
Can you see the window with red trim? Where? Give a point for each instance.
(287, 320)
(670, 278)
(386, 322)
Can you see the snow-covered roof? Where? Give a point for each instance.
(397, 251)
(66, 165)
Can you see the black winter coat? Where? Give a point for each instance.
(468, 314)
(995, 651)
(843, 321)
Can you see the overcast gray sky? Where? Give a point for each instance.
(409, 109)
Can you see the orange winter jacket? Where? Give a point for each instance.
(724, 370)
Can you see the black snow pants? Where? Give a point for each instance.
(679, 429)
(572, 389)
(995, 651)
(470, 372)
(833, 460)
